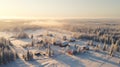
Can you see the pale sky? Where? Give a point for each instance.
(60, 8)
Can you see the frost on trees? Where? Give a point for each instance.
(7, 52)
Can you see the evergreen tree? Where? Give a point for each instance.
(32, 36)
(111, 50)
(7, 52)
(105, 47)
(32, 43)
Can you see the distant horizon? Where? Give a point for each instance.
(52, 18)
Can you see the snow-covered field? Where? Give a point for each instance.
(60, 58)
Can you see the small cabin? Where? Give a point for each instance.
(61, 44)
(75, 49)
(50, 35)
(64, 44)
(57, 43)
(40, 35)
(72, 40)
(71, 50)
(64, 38)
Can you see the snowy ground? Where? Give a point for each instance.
(60, 59)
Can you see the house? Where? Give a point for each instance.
(75, 49)
(72, 40)
(64, 44)
(72, 50)
(57, 43)
(45, 52)
(64, 38)
(61, 44)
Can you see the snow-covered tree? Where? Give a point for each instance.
(7, 52)
(105, 47)
(111, 50)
